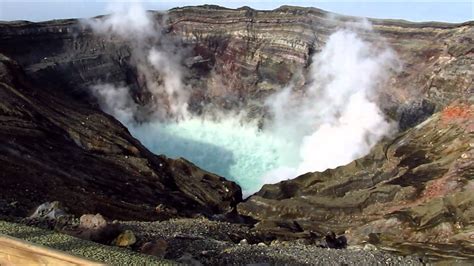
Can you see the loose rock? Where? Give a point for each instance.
(125, 239)
(90, 221)
(49, 210)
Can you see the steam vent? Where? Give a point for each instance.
(213, 136)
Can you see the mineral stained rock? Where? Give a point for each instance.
(235, 57)
(416, 188)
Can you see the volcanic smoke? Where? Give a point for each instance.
(334, 122)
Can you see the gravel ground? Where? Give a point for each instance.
(107, 254)
(308, 255)
(200, 241)
(218, 243)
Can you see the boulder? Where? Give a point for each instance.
(92, 222)
(49, 210)
(336, 242)
(125, 239)
(413, 113)
(94, 227)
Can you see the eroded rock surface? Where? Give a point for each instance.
(416, 188)
(236, 57)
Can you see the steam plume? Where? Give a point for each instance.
(155, 58)
(337, 120)
(126, 21)
(116, 101)
(332, 121)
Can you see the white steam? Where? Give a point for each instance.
(332, 121)
(127, 21)
(172, 85)
(337, 119)
(155, 58)
(116, 101)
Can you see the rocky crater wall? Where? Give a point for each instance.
(240, 56)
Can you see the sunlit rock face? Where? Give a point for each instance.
(245, 54)
(251, 64)
(416, 188)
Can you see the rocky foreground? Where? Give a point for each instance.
(417, 188)
(218, 243)
(196, 242)
(412, 194)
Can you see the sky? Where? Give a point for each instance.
(446, 11)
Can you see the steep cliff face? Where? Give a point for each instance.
(56, 148)
(260, 51)
(246, 54)
(62, 56)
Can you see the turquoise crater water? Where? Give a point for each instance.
(239, 152)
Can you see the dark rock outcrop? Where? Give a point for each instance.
(53, 147)
(412, 113)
